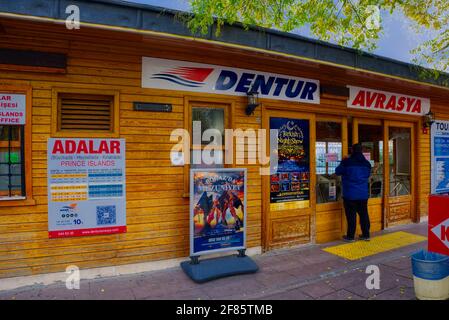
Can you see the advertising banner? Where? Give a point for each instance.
(198, 77)
(291, 182)
(439, 135)
(86, 187)
(12, 108)
(217, 210)
(376, 100)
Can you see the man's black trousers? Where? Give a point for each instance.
(352, 207)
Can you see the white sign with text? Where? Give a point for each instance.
(12, 109)
(198, 77)
(376, 100)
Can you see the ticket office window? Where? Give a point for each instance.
(399, 157)
(205, 118)
(329, 148)
(371, 139)
(201, 117)
(12, 166)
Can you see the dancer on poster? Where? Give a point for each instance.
(218, 202)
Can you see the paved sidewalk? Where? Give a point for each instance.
(301, 274)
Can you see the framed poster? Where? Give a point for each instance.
(217, 210)
(86, 187)
(439, 148)
(291, 182)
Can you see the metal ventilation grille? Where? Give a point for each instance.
(85, 112)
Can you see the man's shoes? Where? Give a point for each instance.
(347, 239)
(363, 238)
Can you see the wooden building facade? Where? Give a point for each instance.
(104, 67)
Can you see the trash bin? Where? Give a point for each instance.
(430, 275)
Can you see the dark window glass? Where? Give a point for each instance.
(12, 167)
(210, 118)
(371, 138)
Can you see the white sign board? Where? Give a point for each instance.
(376, 100)
(86, 187)
(439, 148)
(197, 77)
(12, 109)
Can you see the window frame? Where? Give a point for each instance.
(27, 148)
(191, 102)
(20, 144)
(343, 120)
(55, 120)
(357, 122)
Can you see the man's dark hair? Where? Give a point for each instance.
(356, 148)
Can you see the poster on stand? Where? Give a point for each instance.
(217, 210)
(86, 187)
(291, 182)
(439, 135)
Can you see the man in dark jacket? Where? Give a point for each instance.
(355, 172)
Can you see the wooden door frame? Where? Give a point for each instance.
(273, 110)
(385, 123)
(343, 120)
(28, 200)
(413, 194)
(229, 123)
(357, 121)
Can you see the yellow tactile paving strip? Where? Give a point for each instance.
(360, 249)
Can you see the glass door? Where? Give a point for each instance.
(400, 172)
(330, 147)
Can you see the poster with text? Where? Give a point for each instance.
(217, 210)
(12, 109)
(291, 182)
(86, 187)
(440, 157)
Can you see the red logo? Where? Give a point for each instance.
(185, 76)
(439, 224)
(442, 232)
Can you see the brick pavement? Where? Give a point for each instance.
(303, 273)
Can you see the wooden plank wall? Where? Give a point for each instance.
(423, 172)
(157, 214)
(441, 112)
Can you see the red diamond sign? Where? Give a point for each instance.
(439, 224)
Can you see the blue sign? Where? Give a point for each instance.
(440, 157)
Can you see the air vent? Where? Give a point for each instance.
(86, 112)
